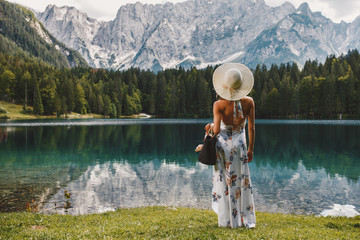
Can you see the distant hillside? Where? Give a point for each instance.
(21, 34)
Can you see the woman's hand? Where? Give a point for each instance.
(198, 148)
(208, 127)
(250, 155)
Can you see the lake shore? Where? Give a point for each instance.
(180, 222)
(172, 223)
(10, 111)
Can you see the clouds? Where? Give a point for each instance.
(336, 10)
(102, 10)
(346, 10)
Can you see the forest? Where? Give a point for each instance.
(318, 90)
(18, 36)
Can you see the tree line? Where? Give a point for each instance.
(319, 90)
(18, 36)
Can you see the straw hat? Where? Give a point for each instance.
(232, 81)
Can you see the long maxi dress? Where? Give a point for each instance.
(232, 193)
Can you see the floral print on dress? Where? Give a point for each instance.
(216, 197)
(233, 200)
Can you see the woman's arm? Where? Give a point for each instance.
(217, 117)
(251, 129)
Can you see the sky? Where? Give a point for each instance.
(336, 10)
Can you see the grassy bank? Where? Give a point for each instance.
(15, 112)
(172, 223)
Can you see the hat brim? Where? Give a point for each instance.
(247, 81)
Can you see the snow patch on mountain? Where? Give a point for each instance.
(201, 33)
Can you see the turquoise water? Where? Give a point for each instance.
(302, 167)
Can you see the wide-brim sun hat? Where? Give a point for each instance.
(232, 81)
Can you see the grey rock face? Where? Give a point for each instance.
(200, 33)
(73, 28)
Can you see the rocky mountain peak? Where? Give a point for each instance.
(287, 5)
(200, 33)
(305, 9)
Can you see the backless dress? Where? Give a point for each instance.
(232, 193)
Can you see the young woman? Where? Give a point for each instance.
(232, 193)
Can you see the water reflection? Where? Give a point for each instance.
(3, 134)
(111, 185)
(299, 190)
(298, 168)
(334, 148)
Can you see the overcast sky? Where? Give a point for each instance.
(337, 10)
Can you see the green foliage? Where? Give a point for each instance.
(107, 105)
(171, 223)
(38, 106)
(113, 111)
(28, 77)
(19, 37)
(80, 101)
(318, 91)
(7, 79)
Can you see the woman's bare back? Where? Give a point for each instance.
(227, 107)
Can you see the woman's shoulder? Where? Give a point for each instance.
(218, 105)
(247, 104)
(248, 100)
(221, 102)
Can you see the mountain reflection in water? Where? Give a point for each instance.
(112, 185)
(299, 167)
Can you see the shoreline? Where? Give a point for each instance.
(172, 223)
(15, 112)
(36, 206)
(11, 111)
(338, 211)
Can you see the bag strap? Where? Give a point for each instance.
(211, 132)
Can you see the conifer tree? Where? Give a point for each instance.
(80, 101)
(38, 106)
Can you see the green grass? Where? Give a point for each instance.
(172, 223)
(15, 112)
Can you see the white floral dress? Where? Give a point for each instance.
(232, 194)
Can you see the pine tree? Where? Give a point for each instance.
(6, 84)
(26, 79)
(107, 105)
(113, 112)
(38, 106)
(80, 101)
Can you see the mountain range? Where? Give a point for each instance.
(200, 33)
(21, 34)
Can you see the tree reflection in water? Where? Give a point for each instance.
(299, 168)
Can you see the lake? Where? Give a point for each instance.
(299, 166)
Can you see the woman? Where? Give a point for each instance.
(232, 197)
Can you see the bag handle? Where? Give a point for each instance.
(210, 132)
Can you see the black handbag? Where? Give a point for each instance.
(208, 152)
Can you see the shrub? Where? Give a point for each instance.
(2, 110)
